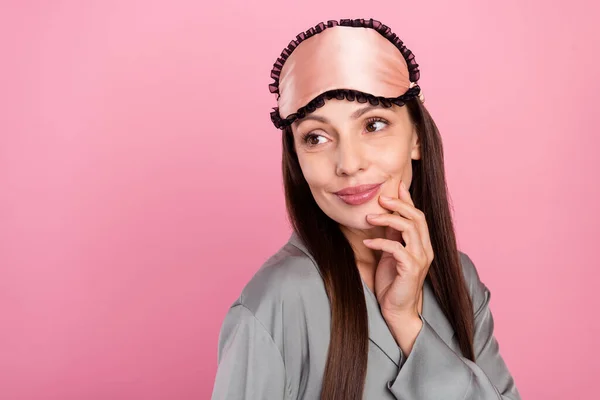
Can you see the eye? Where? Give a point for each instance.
(376, 124)
(312, 139)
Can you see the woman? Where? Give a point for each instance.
(370, 297)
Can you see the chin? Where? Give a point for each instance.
(359, 225)
(355, 219)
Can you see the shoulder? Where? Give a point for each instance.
(287, 282)
(477, 289)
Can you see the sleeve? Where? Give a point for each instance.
(433, 370)
(250, 366)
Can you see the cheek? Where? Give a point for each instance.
(391, 158)
(316, 170)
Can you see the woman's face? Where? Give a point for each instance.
(345, 144)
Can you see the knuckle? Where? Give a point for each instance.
(398, 247)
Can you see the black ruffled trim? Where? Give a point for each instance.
(319, 101)
(341, 94)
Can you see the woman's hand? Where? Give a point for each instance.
(403, 265)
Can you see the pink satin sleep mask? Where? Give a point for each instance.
(357, 59)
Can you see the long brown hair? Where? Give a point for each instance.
(346, 366)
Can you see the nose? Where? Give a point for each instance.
(350, 158)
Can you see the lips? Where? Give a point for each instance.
(357, 195)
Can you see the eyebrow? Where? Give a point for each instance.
(358, 113)
(355, 115)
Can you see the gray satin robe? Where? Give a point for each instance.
(274, 339)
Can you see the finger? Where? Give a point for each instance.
(405, 261)
(404, 194)
(408, 211)
(407, 227)
(404, 208)
(393, 234)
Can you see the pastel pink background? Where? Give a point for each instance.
(140, 181)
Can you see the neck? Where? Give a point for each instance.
(366, 258)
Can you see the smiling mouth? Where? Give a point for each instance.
(358, 195)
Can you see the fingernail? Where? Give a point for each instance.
(386, 198)
(367, 241)
(372, 216)
(403, 185)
